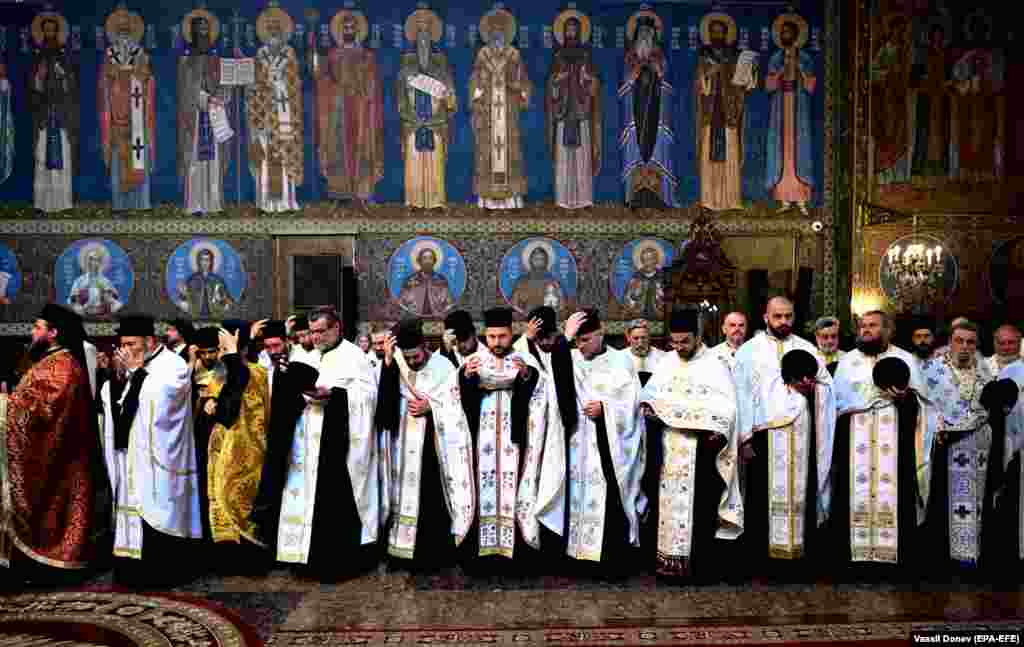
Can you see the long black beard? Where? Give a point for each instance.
(38, 350)
(923, 351)
(778, 334)
(872, 348)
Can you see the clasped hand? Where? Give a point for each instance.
(419, 408)
(593, 409)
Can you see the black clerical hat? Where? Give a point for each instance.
(300, 323)
(999, 395)
(302, 376)
(242, 327)
(683, 320)
(891, 373)
(206, 338)
(591, 323)
(548, 319)
(273, 329)
(136, 325)
(184, 328)
(498, 318)
(798, 364)
(408, 334)
(65, 320)
(461, 323)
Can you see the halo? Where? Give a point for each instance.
(538, 243)
(273, 13)
(37, 27)
(642, 246)
(138, 26)
(419, 16)
(362, 27)
(212, 248)
(490, 16)
(186, 24)
(801, 36)
(422, 244)
(705, 27)
(87, 249)
(631, 23)
(559, 26)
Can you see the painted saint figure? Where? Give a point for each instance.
(645, 293)
(6, 126)
(275, 114)
(202, 161)
(931, 97)
(53, 99)
(791, 81)
(979, 127)
(205, 294)
(499, 90)
(647, 138)
(539, 286)
(721, 82)
(93, 294)
(426, 291)
(350, 111)
(127, 110)
(425, 91)
(573, 110)
(889, 75)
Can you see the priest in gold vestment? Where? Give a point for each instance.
(499, 90)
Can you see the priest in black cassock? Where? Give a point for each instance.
(179, 337)
(497, 387)
(204, 374)
(690, 409)
(880, 476)
(430, 480)
(785, 485)
(1004, 532)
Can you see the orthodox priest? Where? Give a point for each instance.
(461, 338)
(645, 357)
(235, 409)
(350, 111)
(690, 409)
(54, 101)
(432, 492)
(647, 139)
(602, 498)
(127, 112)
(275, 114)
(1006, 416)
(963, 442)
(151, 457)
(499, 90)
(880, 467)
(573, 111)
(426, 104)
(788, 453)
(329, 519)
(48, 438)
(853, 381)
(505, 411)
(202, 159)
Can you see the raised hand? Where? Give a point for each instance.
(533, 328)
(228, 342)
(572, 325)
(472, 366)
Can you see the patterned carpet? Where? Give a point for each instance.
(282, 610)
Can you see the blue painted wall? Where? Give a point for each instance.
(92, 184)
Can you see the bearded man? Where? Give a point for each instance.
(645, 357)
(690, 407)
(734, 327)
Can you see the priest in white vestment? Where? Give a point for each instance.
(329, 518)
(853, 382)
(150, 454)
(605, 456)
(789, 454)
(960, 461)
(881, 469)
(430, 496)
(690, 406)
(1007, 346)
(645, 357)
(734, 327)
(507, 413)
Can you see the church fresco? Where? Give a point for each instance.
(94, 277)
(539, 271)
(205, 278)
(426, 276)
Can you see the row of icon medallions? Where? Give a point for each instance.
(426, 276)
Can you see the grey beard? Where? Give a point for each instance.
(642, 352)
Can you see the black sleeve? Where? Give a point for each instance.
(522, 391)
(388, 398)
(565, 384)
(123, 422)
(229, 401)
(469, 388)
